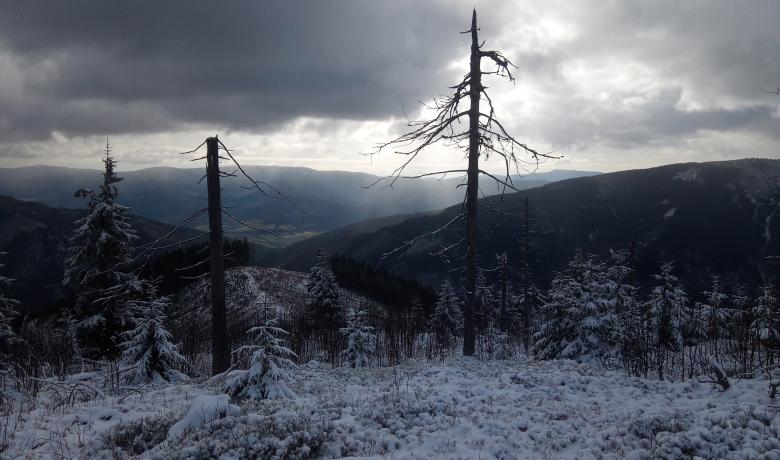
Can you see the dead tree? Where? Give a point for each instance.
(526, 280)
(220, 351)
(484, 136)
(220, 354)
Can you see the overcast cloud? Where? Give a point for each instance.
(607, 84)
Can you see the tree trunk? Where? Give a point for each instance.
(220, 355)
(472, 190)
(527, 305)
(504, 317)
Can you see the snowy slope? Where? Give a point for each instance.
(460, 408)
(249, 291)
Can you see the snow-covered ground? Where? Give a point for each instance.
(459, 408)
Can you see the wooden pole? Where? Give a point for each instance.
(220, 355)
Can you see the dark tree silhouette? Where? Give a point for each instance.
(484, 136)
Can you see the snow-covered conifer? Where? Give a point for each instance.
(555, 328)
(621, 292)
(766, 317)
(621, 296)
(716, 312)
(323, 293)
(497, 343)
(100, 249)
(447, 317)
(486, 300)
(360, 339)
(148, 348)
(507, 314)
(715, 315)
(269, 362)
(666, 308)
(418, 315)
(8, 339)
(528, 305)
(578, 321)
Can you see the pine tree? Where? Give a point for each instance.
(323, 293)
(9, 341)
(447, 317)
(360, 339)
(270, 359)
(100, 249)
(148, 347)
(765, 327)
(666, 309)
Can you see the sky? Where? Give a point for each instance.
(604, 85)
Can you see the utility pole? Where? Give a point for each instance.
(220, 355)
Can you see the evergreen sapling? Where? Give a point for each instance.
(360, 339)
(269, 362)
(148, 348)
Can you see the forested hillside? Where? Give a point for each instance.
(712, 218)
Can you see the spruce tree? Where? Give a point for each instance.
(739, 327)
(498, 344)
(100, 249)
(269, 362)
(485, 301)
(579, 320)
(507, 315)
(528, 306)
(9, 341)
(360, 339)
(148, 348)
(765, 327)
(666, 309)
(323, 291)
(447, 316)
(715, 315)
(621, 296)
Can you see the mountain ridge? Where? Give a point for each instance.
(328, 199)
(34, 236)
(665, 212)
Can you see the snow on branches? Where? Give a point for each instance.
(148, 349)
(447, 317)
(579, 320)
(100, 247)
(323, 293)
(360, 339)
(270, 359)
(8, 339)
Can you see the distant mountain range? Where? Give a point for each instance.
(34, 236)
(712, 218)
(327, 199)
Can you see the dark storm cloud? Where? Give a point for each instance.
(118, 66)
(617, 74)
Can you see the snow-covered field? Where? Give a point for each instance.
(459, 408)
